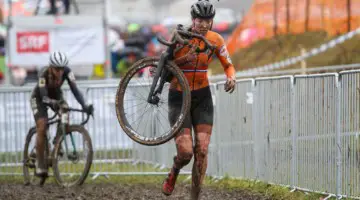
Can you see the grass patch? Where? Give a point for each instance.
(272, 191)
(276, 49)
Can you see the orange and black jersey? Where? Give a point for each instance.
(196, 71)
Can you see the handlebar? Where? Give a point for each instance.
(69, 109)
(179, 36)
(79, 110)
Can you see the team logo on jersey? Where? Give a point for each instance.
(42, 82)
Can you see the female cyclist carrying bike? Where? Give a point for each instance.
(200, 118)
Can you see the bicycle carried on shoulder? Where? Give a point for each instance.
(66, 145)
(151, 90)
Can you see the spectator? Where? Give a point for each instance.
(53, 9)
(116, 44)
(136, 39)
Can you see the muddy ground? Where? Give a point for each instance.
(105, 191)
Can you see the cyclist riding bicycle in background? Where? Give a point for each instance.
(200, 118)
(47, 92)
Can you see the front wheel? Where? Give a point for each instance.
(138, 118)
(73, 155)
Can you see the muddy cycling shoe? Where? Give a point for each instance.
(43, 173)
(169, 183)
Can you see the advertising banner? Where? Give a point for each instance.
(30, 45)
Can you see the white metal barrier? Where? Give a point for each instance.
(300, 131)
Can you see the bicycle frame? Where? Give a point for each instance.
(160, 72)
(61, 129)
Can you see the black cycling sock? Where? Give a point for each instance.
(176, 170)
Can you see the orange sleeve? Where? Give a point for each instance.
(224, 57)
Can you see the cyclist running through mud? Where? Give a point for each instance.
(194, 66)
(47, 92)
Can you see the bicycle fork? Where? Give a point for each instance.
(64, 122)
(160, 72)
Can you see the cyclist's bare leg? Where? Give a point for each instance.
(184, 147)
(202, 141)
(184, 154)
(41, 128)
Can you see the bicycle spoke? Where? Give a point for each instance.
(135, 112)
(136, 105)
(160, 123)
(142, 114)
(140, 95)
(146, 123)
(165, 109)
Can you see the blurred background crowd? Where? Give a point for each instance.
(257, 32)
(132, 29)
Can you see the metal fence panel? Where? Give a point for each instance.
(15, 120)
(316, 132)
(233, 135)
(273, 129)
(111, 145)
(350, 116)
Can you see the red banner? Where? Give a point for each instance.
(32, 42)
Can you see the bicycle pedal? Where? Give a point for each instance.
(30, 165)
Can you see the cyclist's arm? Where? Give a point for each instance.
(224, 57)
(70, 77)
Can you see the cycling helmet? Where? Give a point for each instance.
(203, 9)
(58, 59)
